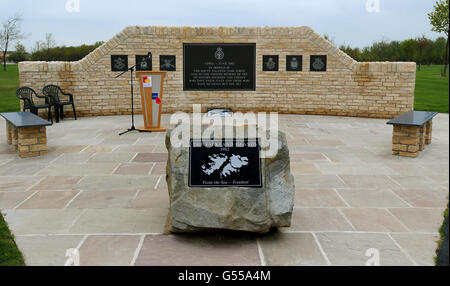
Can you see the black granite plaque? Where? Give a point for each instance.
(222, 66)
(119, 62)
(225, 163)
(167, 63)
(318, 63)
(143, 63)
(294, 63)
(270, 63)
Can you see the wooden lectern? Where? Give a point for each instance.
(152, 86)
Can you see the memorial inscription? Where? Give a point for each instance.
(221, 66)
(225, 163)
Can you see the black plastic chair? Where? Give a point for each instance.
(54, 92)
(26, 94)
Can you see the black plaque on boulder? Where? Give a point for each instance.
(225, 163)
(119, 62)
(221, 66)
(143, 63)
(318, 63)
(294, 63)
(270, 63)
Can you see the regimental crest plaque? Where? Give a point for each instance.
(119, 62)
(143, 63)
(225, 163)
(318, 63)
(270, 63)
(167, 63)
(294, 63)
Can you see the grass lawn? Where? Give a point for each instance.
(9, 82)
(9, 253)
(431, 90)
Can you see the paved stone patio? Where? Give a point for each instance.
(107, 196)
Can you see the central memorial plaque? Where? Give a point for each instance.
(225, 163)
(219, 66)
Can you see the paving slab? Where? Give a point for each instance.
(48, 200)
(46, 250)
(45, 221)
(195, 250)
(368, 181)
(134, 169)
(117, 157)
(350, 249)
(116, 182)
(21, 169)
(371, 198)
(9, 200)
(150, 157)
(85, 169)
(317, 181)
(57, 183)
(102, 199)
(108, 250)
(420, 219)
(317, 198)
(373, 220)
(17, 183)
(291, 249)
(151, 199)
(318, 219)
(420, 247)
(424, 197)
(98, 221)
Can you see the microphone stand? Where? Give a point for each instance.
(133, 128)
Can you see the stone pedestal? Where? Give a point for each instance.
(422, 137)
(428, 131)
(14, 137)
(406, 140)
(9, 129)
(32, 141)
(409, 140)
(230, 208)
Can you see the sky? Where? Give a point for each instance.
(350, 22)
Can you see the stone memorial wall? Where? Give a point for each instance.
(288, 70)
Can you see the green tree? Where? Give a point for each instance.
(407, 50)
(421, 44)
(19, 55)
(439, 19)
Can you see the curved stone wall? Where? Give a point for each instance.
(347, 88)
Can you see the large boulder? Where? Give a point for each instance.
(230, 208)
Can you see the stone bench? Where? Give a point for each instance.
(412, 131)
(27, 133)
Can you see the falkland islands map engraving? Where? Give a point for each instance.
(231, 164)
(220, 164)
